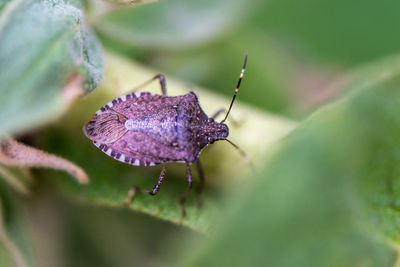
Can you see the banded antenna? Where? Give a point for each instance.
(237, 87)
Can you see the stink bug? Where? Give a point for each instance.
(145, 129)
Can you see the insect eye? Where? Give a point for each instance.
(210, 119)
(210, 140)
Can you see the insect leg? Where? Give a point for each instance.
(201, 184)
(182, 199)
(221, 110)
(152, 192)
(218, 112)
(161, 79)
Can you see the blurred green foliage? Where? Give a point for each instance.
(283, 39)
(325, 195)
(340, 32)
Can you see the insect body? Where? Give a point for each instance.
(145, 129)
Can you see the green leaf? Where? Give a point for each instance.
(173, 25)
(44, 44)
(330, 196)
(110, 180)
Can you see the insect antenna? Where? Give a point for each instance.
(242, 153)
(237, 88)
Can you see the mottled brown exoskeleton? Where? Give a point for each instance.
(145, 129)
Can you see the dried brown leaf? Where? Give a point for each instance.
(13, 153)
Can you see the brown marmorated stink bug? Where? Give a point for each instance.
(145, 129)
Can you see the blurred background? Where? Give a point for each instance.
(298, 50)
(300, 54)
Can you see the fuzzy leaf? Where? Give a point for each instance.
(44, 44)
(13, 153)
